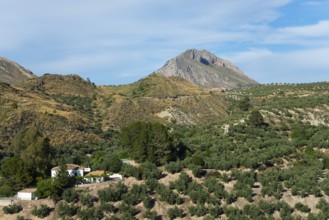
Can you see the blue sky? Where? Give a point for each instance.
(119, 42)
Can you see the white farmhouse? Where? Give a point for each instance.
(72, 169)
(27, 194)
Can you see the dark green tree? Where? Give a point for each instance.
(16, 174)
(244, 104)
(112, 163)
(34, 150)
(256, 119)
(147, 142)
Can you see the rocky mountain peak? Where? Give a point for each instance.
(13, 73)
(206, 70)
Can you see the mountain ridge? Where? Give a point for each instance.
(13, 73)
(204, 69)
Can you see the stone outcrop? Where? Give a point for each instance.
(204, 69)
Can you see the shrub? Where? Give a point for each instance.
(168, 196)
(128, 209)
(41, 212)
(107, 207)
(64, 209)
(199, 210)
(303, 208)
(196, 170)
(70, 195)
(12, 209)
(111, 194)
(150, 171)
(174, 167)
(175, 212)
(151, 215)
(148, 202)
(130, 170)
(90, 214)
(135, 195)
(87, 199)
(112, 164)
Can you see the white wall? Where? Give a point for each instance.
(71, 173)
(25, 195)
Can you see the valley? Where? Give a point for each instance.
(237, 151)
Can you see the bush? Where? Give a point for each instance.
(70, 195)
(151, 215)
(130, 170)
(199, 210)
(196, 170)
(90, 214)
(41, 212)
(107, 207)
(303, 208)
(20, 218)
(174, 167)
(12, 209)
(175, 212)
(66, 210)
(135, 195)
(87, 199)
(148, 202)
(128, 209)
(150, 171)
(168, 196)
(111, 194)
(112, 164)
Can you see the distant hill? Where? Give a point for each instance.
(61, 113)
(13, 73)
(168, 100)
(204, 69)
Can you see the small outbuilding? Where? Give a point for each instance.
(27, 194)
(97, 176)
(116, 176)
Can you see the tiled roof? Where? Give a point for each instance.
(29, 190)
(96, 173)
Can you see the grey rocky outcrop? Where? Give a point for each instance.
(204, 69)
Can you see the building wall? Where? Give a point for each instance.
(71, 173)
(25, 195)
(75, 172)
(53, 173)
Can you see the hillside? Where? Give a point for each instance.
(204, 69)
(64, 119)
(13, 73)
(168, 100)
(256, 152)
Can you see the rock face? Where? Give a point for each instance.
(204, 69)
(13, 73)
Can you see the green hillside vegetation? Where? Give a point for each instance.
(158, 99)
(255, 153)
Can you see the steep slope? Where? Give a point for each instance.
(55, 84)
(13, 73)
(205, 70)
(168, 100)
(64, 119)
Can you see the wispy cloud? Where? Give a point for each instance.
(308, 65)
(118, 38)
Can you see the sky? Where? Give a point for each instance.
(114, 42)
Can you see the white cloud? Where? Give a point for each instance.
(123, 37)
(308, 65)
(307, 35)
